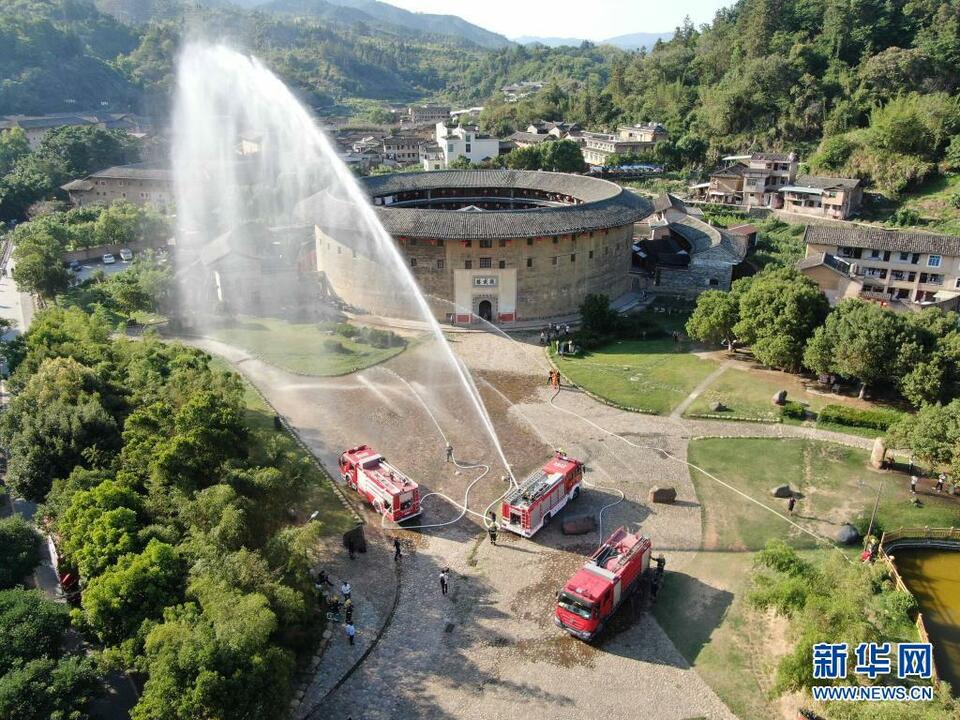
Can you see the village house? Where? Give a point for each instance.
(465, 141)
(837, 198)
(628, 140)
(905, 270)
(427, 114)
(140, 184)
(681, 254)
(402, 149)
(431, 157)
(749, 180)
(36, 127)
(517, 91)
(553, 128)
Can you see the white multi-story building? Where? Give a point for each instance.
(465, 141)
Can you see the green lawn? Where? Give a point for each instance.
(704, 611)
(320, 495)
(649, 375)
(301, 347)
(836, 483)
(749, 393)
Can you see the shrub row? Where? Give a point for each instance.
(368, 336)
(794, 410)
(854, 417)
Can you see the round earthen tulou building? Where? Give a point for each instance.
(509, 245)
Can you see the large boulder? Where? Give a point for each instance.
(879, 454)
(848, 535)
(579, 525)
(781, 491)
(780, 397)
(665, 495)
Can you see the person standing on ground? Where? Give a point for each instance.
(941, 479)
(397, 550)
(913, 484)
(351, 632)
(449, 452)
(791, 503)
(543, 338)
(345, 590)
(348, 612)
(443, 581)
(492, 532)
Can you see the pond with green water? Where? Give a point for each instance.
(933, 576)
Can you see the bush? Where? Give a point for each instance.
(19, 550)
(794, 410)
(334, 346)
(854, 417)
(346, 330)
(904, 217)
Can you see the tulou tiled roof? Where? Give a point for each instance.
(135, 171)
(602, 205)
(878, 239)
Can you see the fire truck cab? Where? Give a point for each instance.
(392, 494)
(617, 570)
(542, 495)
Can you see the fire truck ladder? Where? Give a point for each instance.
(535, 486)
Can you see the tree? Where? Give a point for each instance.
(859, 340)
(99, 526)
(525, 158)
(31, 627)
(461, 163)
(13, 147)
(84, 149)
(779, 311)
(19, 550)
(597, 315)
(714, 318)
(138, 587)
(39, 269)
(932, 434)
(54, 424)
(562, 156)
(46, 688)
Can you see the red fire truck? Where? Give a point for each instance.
(392, 494)
(616, 571)
(542, 495)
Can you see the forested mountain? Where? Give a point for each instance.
(631, 41)
(380, 12)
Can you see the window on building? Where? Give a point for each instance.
(956, 283)
(486, 262)
(529, 241)
(468, 243)
(933, 261)
(413, 261)
(441, 264)
(440, 242)
(468, 264)
(713, 282)
(530, 265)
(875, 253)
(503, 243)
(413, 241)
(904, 257)
(553, 260)
(502, 264)
(555, 240)
(468, 147)
(590, 255)
(573, 257)
(486, 243)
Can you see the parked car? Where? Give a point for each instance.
(76, 266)
(109, 259)
(126, 254)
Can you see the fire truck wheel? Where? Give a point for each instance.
(546, 519)
(576, 493)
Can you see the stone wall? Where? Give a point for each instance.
(553, 274)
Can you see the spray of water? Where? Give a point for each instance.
(272, 223)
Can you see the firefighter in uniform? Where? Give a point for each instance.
(492, 528)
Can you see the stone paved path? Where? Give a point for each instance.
(489, 649)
